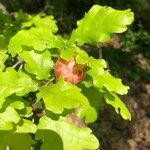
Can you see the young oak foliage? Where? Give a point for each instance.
(73, 138)
(100, 23)
(28, 91)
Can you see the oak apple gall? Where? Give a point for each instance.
(69, 70)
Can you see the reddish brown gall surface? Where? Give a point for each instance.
(70, 71)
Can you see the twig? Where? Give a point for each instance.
(99, 50)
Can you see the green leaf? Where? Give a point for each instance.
(50, 139)
(6, 128)
(73, 51)
(96, 66)
(82, 57)
(100, 23)
(26, 112)
(39, 64)
(13, 101)
(62, 95)
(120, 108)
(15, 82)
(88, 114)
(94, 96)
(73, 137)
(47, 22)
(37, 38)
(26, 126)
(67, 53)
(3, 58)
(16, 141)
(111, 83)
(8, 118)
(17, 105)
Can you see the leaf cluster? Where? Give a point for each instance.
(35, 106)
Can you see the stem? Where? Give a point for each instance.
(16, 64)
(100, 50)
(7, 147)
(20, 61)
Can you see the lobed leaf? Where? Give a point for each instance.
(82, 57)
(96, 66)
(62, 95)
(8, 119)
(94, 96)
(108, 81)
(100, 23)
(13, 101)
(37, 38)
(26, 112)
(68, 53)
(120, 108)
(70, 136)
(39, 64)
(47, 22)
(26, 126)
(88, 114)
(12, 82)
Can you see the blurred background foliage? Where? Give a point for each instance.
(128, 54)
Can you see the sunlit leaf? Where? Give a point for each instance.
(73, 137)
(42, 22)
(38, 38)
(39, 64)
(100, 23)
(15, 82)
(13, 101)
(26, 126)
(8, 118)
(62, 95)
(110, 82)
(120, 108)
